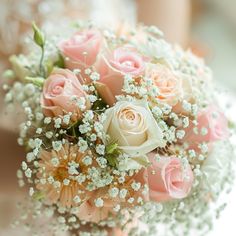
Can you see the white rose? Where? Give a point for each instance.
(132, 126)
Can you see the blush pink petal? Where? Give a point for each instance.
(84, 52)
(58, 90)
(211, 119)
(112, 67)
(165, 178)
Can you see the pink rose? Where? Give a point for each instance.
(60, 92)
(169, 86)
(112, 69)
(168, 178)
(81, 49)
(212, 126)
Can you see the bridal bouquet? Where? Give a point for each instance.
(123, 132)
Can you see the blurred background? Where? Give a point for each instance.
(208, 27)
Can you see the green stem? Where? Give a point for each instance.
(73, 131)
(41, 67)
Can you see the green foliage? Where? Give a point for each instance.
(37, 196)
(112, 152)
(38, 81)
(60, 62)
(99, 106)
(231, 125)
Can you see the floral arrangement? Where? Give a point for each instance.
(123, 132)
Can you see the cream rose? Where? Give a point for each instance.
(132, 126)
(168, 84)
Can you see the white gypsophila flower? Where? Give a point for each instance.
(93, 137)
(57, 122)
(166, 109)
(88, 116)
(37, 143)
(39, 130)
(66, 182)
(49, 134)
(191, 153)
(87, 71)
(180, 134)
(28, 173)
(99, 202)
(186, 106)
(92, 88)
(39, 116)
(94, 76)
(130, 200)
(92, 98)
(77, 199)
(80, 178)
(136, 186)
(81, 103)
(123, 193)
(72, 219)
(30, 156)
(77, 71)
(24, 165)
(31, 191)
(87, 160)
(29, 89)
(85, 128)
(117, 208)
(73, 170)
(47, 120)
(55, 161)
(185, 122)
(102, 162)
(66, 119)
(57, 145)
(100, 149)
(113, 192)
(83, 145)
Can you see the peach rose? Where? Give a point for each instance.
(212, 126)
(81, 49)
(112, 69)
(169, 86)
(59, 90)
(168, 178)
(132, 126)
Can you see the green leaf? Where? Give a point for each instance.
(112, 160)
(39, 37)
(231, 124)
(111, 148)
(38, 81)
(60, 62)
(49, 66)
(38, 196)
